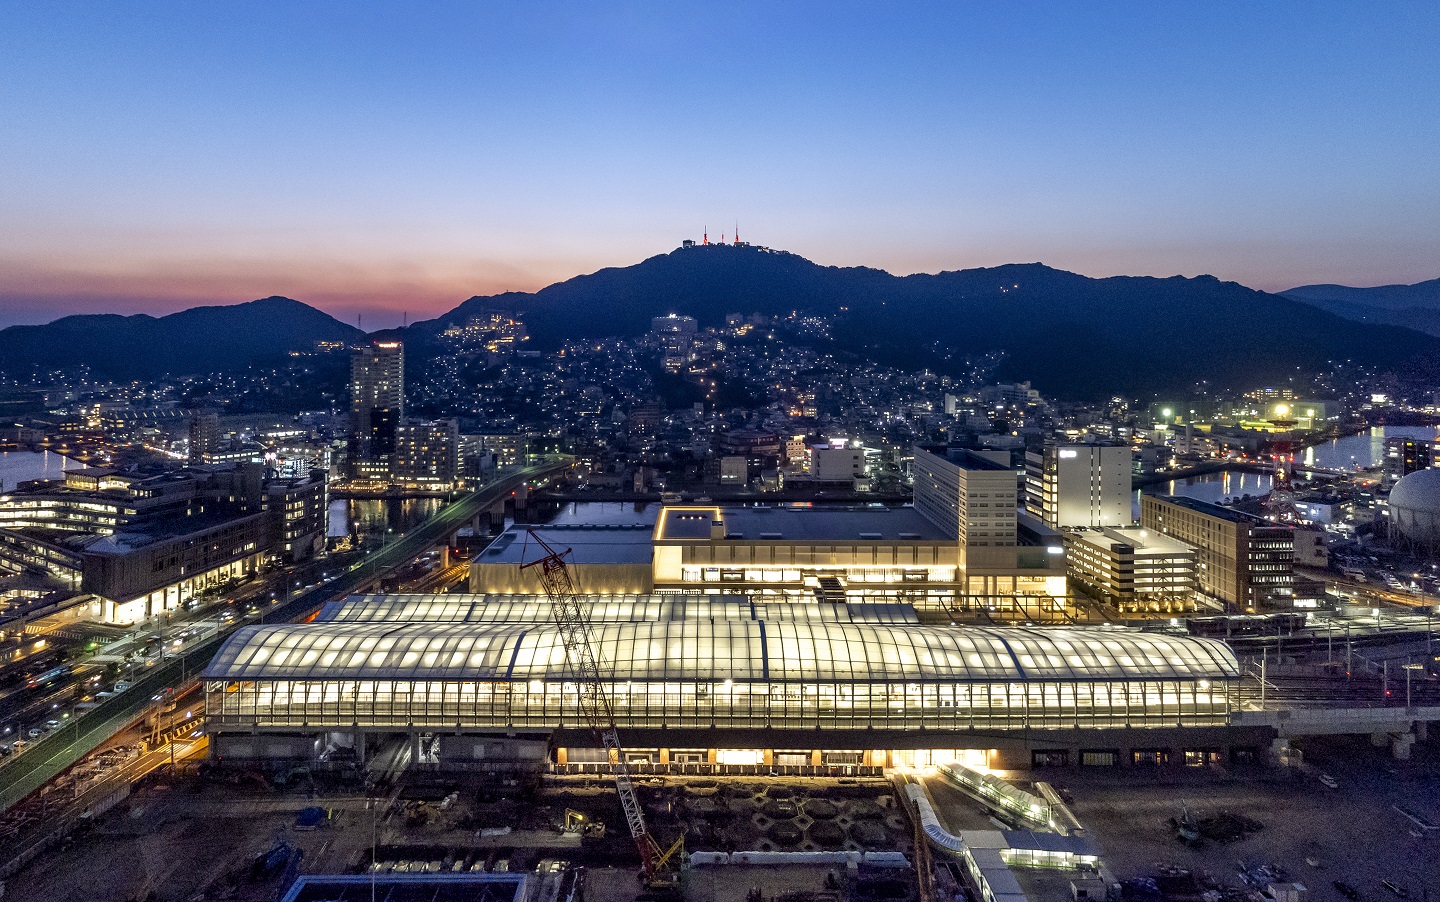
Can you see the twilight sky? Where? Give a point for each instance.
(378, 158)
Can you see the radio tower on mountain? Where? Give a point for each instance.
(1280, 504)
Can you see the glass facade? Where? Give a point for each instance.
(720, 674)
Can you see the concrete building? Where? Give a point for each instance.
(962, 546)
(1241, 560)
(1404, 455)
(1134, 569)
(829, 463)
(204, 437)
(510, 449)
(299, 510)
(427, 452)
(761, 449)
(734, 471)
(674, 324)
(1080, 485)
(144, 545)
(1311, 549)
(973, 497)
(377, 398)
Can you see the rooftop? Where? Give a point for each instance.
(494, 608)
(747, 651)
(963, 458)
(1212, 510)
(800, 524)
(588, 543)
(1145, 541)
(159, 529)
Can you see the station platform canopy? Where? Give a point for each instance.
(705, 650)
(502, 608)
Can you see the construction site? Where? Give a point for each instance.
(568, 747)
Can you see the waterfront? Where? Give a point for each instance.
(1218, 488)
(374, 516)
(1361, 451)
(21, 466)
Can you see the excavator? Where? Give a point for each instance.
(660, 866)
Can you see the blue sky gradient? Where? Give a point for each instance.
(379, 158)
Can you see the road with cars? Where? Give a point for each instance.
(59, 748)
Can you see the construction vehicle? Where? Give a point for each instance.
(577, 824)
(660, 867)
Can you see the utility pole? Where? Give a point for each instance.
(1429, 637)
(1263, 681)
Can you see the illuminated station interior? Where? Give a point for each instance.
(708, 681)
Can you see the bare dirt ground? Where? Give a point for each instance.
(180, 838)
(1353, 832)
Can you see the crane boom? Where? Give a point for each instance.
(594, 702)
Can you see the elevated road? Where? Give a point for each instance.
(53, 754)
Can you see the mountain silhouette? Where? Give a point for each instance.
(198, 340)
(1073, 336)
(1414, 306)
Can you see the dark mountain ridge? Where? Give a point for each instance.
(1074, 336)
(198, 340)
(1414, 306)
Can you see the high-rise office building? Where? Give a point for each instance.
(1080, 485)
(377, 398)
(971, 497)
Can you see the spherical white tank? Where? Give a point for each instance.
(1415, 507)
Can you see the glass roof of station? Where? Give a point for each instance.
(459, 608)
(717, 650)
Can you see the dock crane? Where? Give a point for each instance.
(660, 865)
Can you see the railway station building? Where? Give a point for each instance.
(962, 547)
(717, 684)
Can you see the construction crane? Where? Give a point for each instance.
(659, 865)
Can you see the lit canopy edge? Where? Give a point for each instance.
(744, 651)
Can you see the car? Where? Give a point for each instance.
(35, 733)
(1329, 781)
(1346, 890)
(52, 724)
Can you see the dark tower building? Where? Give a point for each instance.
(377, 398)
